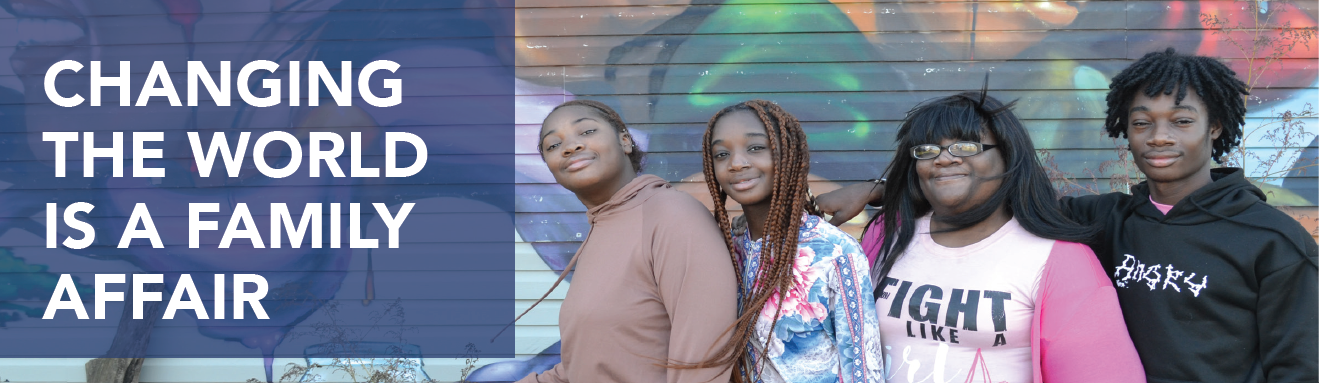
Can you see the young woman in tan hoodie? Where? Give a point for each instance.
(654, 292)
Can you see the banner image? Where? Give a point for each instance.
(393, 190)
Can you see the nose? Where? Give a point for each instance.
(571, 147)
(738, 162)
(1161, 135)
(946, 159)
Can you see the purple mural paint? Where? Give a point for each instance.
(186, 13)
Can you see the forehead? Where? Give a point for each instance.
(565, 116)
(738, 123)
(1166, 102)
(944, 123)
(953, 133)
(986, 138)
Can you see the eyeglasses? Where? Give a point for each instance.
(957, 149)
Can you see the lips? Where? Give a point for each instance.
(948, 177)
(578, 163)
(1161, 160)
(745, 184)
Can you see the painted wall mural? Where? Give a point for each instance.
(850, 70)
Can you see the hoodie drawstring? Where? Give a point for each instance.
(572, 262)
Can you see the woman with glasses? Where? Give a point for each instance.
(978, 277)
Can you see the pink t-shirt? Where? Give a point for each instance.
(1163, 208)
(1013, 307)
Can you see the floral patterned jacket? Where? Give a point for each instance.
(827, 329)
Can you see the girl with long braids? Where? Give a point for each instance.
(653, 293)
(804, 287)
(978, 277)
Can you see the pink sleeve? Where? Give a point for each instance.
(1078, 334)
(871, 241)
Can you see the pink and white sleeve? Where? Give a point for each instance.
(1078, 334)
(871, 241)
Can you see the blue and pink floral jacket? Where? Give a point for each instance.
(827, 329)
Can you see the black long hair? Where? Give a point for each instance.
(1026, 190)
(1169, 72)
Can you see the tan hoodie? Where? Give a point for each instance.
(653, 282)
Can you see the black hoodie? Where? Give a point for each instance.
(1222, 289)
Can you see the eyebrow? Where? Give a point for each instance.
(1176, 107)
(574, 122)
(717, 142)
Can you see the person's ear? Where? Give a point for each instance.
(626, 141)
(1215, 131)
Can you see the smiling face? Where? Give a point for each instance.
(740, 152)
(584, 153)
(1171, 143)
(955, 184)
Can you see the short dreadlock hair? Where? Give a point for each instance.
(1167, 73)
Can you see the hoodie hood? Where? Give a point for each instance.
(1228, 194)
(630, 196)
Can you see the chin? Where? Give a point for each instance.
(575, 184)
(749, 197)
(735, 197)
(1161, 174)
(948, 199)
(584, 179)
(741, 202)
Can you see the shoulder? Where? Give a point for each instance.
(1262, 214)
(671, 205)
(680, 225)
(1071, 262)
(819, 231)
(1097, 202)
(1071, 252)
(828, 243)
(1286, 236)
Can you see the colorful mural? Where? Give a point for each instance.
(847, 69)
(850, 70)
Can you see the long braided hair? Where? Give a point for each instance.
(788, 200)
(1169, 72)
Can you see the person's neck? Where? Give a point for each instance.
(1170, 193)
(756, 216)
(976, 233)
(601, 195)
